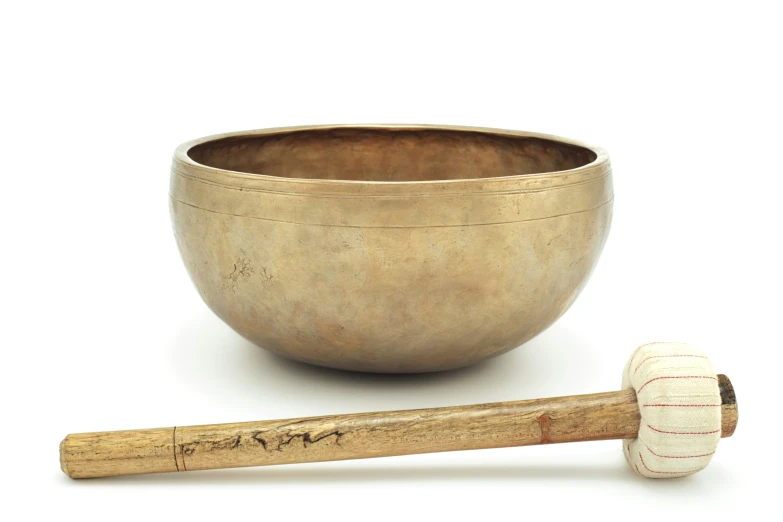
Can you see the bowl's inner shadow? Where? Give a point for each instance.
(365, 154)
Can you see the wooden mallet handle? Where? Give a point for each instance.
(599, 416)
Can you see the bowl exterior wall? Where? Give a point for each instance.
(389, 277)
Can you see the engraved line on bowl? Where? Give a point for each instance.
(392, 226)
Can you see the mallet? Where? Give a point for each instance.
(672, 412)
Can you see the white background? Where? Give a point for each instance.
(102, 329)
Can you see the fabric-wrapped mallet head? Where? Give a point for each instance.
(680, 403)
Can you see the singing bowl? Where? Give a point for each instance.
(389, 248)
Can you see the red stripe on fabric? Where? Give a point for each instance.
(684, 432)
(662, 357)
(664, 472)
(633, 355)
(677, 377)
(678, 456)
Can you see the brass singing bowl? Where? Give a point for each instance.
(389, 248)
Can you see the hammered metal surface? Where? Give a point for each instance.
(389, 248)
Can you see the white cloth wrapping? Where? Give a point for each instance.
(680, 404)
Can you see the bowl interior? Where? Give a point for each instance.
(367, 154)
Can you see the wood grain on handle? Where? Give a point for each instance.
(601, 416)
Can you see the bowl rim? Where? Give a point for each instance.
(184, 165)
